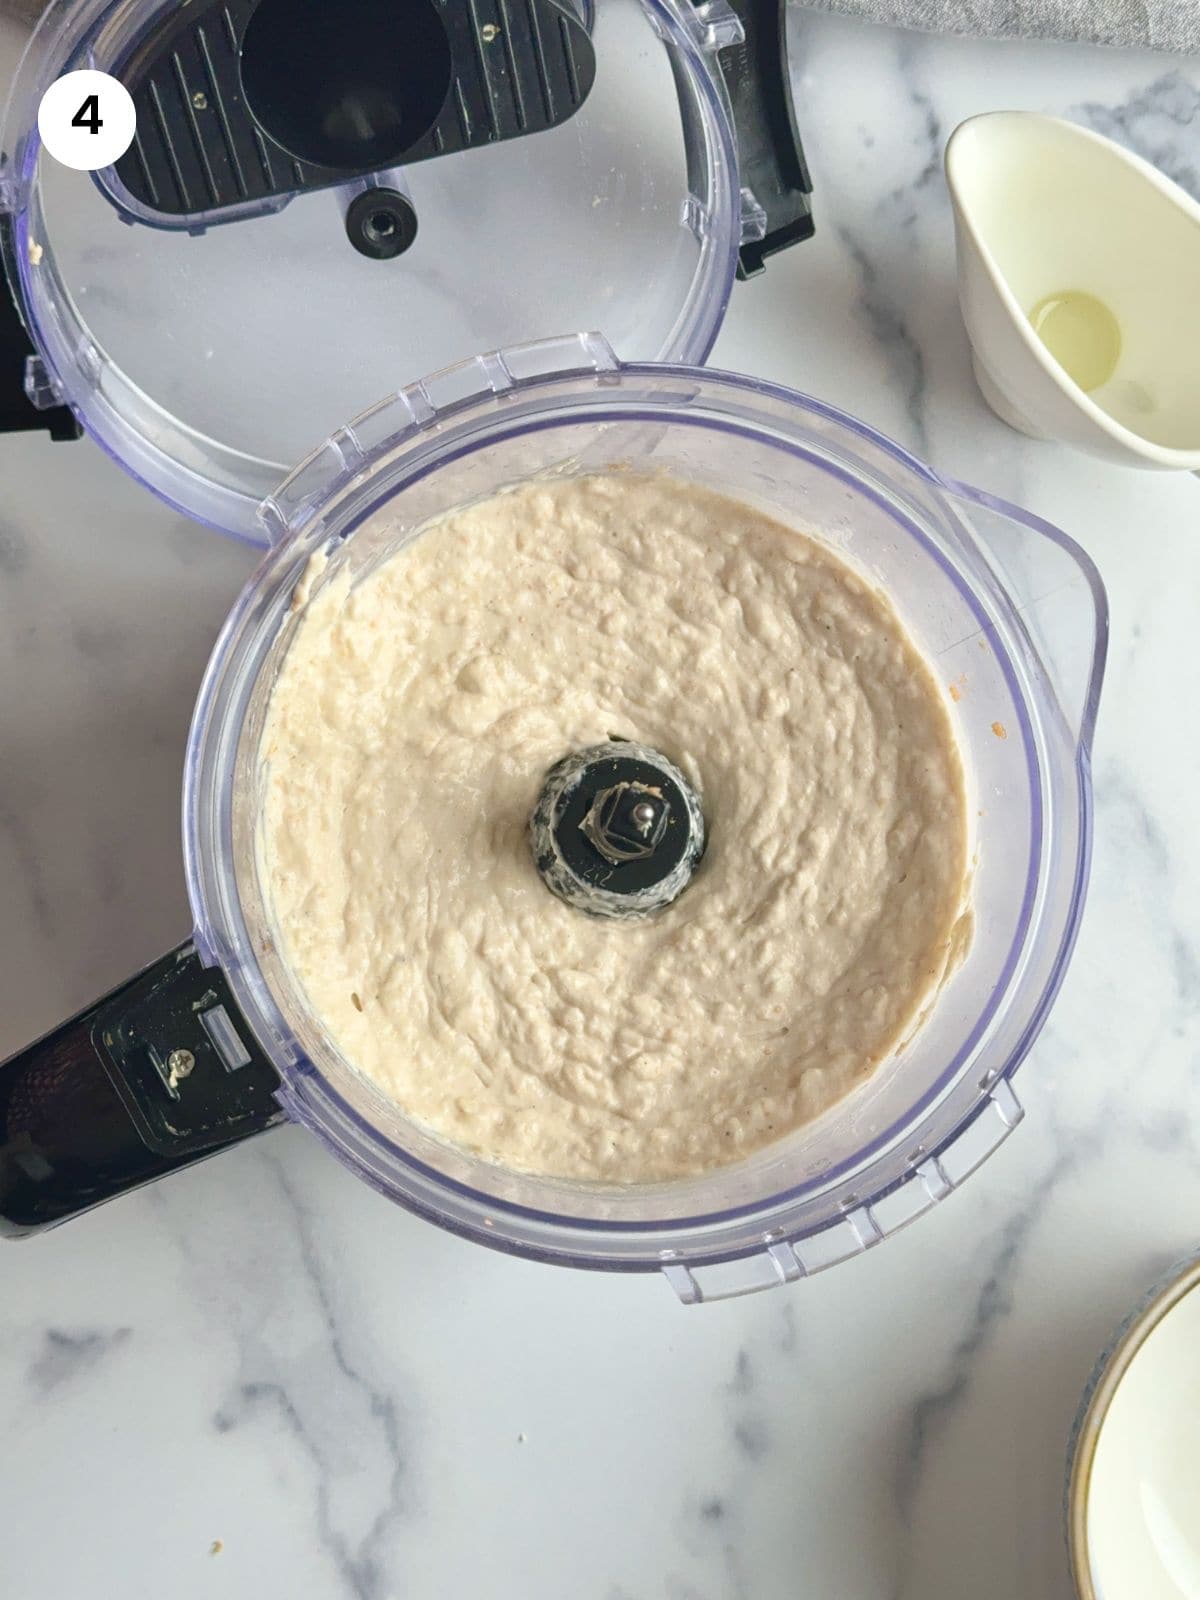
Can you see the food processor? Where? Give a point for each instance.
(215, 1042)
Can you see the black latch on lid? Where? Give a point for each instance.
(18, 413)
(770, 155)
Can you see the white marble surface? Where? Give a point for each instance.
(265, 1353)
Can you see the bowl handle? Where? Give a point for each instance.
(1059, 595)
(153, 1077)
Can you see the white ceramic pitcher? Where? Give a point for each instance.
(1047, 212)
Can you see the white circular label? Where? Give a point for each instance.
(87, 120)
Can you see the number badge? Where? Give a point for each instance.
(87, 120)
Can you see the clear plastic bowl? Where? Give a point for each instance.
(1002, 604)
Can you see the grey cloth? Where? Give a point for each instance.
(1159, 24)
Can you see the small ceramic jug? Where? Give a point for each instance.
(1061, 230)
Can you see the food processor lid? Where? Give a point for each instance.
(301, 225)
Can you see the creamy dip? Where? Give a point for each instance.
(412, 721)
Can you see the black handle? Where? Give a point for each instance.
(153, 1077)
(770, 155)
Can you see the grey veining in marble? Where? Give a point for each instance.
(259, 1378)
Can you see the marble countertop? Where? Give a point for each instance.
(260, 1378)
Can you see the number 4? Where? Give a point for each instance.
(88, 115)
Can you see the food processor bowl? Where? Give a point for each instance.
(1009, 612)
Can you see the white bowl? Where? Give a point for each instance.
(1043, 207)
(1133, 1497)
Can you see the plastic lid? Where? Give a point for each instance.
(208, 355)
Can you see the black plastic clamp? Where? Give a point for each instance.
(770, 154)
